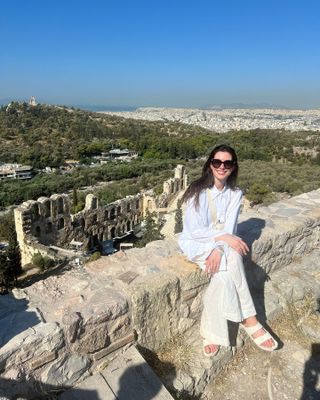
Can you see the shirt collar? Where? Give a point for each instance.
(216, 192)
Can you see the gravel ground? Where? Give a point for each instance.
(290, 373)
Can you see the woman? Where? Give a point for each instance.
(208, 239)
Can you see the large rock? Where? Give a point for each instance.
(65, 371)
(40, 342)
(155, 314)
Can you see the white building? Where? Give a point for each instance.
(15, 171)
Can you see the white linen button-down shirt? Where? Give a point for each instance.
(197, 239)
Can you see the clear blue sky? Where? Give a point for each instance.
(161, 53)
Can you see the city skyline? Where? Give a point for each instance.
(179, 54)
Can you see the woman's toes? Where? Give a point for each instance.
(211, 348)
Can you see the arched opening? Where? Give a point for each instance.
(35, 211)
(49, 227)
(37, 231)
(149, 205)
(118, 210)
(94, 218)
(46, 206)
(128, 226)
(112, 232)
(61, 223)
(112, 213)
(60, 205)
(94, 204)
(137, 205)
(128, 207)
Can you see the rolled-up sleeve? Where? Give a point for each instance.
(197, 238)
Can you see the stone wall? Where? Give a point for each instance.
(82, 316)
(49, 222)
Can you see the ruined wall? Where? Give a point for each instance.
(48, 221)
(171, 187)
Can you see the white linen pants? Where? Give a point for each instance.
(226, 298)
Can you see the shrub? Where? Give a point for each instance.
(95, 256)
(42, 262)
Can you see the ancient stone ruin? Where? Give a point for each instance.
(59, 331)
(47, 226)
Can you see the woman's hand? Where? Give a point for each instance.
(213, 262)
(235, 242)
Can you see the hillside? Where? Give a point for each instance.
(270, 160)
(47, 135)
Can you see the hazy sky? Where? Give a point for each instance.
(161, 53)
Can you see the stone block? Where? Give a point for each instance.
(114, 346)
(91, 338)
(31, 345)
(155, 309)
(65, 371)
(44, 359)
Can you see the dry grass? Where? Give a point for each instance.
(175, 355)
(176, 352)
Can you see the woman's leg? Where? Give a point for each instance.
(236, 270)
(214, 326)
(249, 319)
(226, 298)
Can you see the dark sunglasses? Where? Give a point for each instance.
(228, 164)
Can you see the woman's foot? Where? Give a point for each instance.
(209, 349)
(257, 333)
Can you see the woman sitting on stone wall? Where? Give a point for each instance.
(208, 239)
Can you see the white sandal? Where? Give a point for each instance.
(207, 342)
(251, 330)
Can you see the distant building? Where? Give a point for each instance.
(122, 154)
(15, 171)
(32, 101)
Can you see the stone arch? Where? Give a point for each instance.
(36, 210)
(60, 223)
(49, 227)
(47, 208)
(60, 205)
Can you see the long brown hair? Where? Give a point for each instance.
(207, 179)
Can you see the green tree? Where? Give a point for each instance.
(10, 263)
(257, 193)
(42, 262)
(150, 230)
